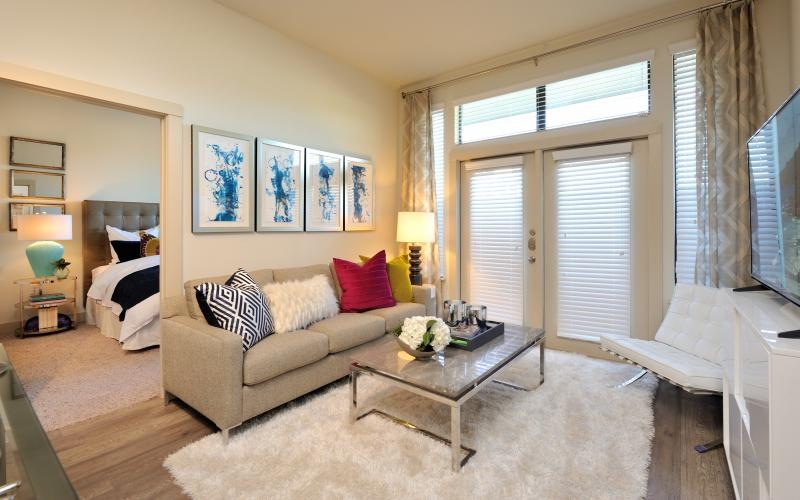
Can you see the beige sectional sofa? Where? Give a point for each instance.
(205, 367)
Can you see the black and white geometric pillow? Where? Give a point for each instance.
(242, 279)
(239, 306)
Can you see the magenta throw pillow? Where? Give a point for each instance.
(364, 287)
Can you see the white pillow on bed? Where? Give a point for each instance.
(117, 234)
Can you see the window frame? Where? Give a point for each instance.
(540, 85)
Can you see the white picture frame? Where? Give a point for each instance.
(280, 187)
(324, 178)
(223, 169)
(359, 195)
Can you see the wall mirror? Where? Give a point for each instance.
(36, 153)
(15, 209)
(27, 184)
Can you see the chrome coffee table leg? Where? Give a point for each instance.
(455, 436)
(541, 363)
(353, 396)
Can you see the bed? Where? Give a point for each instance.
(135, 326)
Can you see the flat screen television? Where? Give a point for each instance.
(774, 166)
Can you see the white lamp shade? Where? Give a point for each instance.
(416, 227)
(44, 227)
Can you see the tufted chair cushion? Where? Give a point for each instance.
(697, 321)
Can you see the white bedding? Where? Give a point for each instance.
(105, 281)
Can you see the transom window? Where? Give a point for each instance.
(603, 95)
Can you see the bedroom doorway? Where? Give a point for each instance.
(170, 116)
(101, 373)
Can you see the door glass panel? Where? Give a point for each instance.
(593, 245)
(494, 264)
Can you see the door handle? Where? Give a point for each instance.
(531, 259)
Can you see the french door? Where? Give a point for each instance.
(596, 246)
(499, 237)
(559, 239)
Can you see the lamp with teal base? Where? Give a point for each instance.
(43, 255)
(42, 229)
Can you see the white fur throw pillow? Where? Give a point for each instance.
(296, 304)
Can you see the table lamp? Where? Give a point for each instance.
(416, 228)
(42, 230)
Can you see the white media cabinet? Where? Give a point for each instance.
(761, 398)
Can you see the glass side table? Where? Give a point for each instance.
(47, 312)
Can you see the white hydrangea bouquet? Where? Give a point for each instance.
(423, 336)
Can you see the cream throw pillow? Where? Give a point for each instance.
(296, 304)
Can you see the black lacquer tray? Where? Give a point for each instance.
(472, 339)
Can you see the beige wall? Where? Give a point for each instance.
(230, 73)
(111, 155)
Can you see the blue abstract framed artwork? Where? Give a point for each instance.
(223, 168)
(324, 191)
(359, 195)
(280, 187)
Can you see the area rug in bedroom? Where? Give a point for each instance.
(80, 374)
(574, 437)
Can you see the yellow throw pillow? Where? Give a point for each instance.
(152, 247)
(399, 280)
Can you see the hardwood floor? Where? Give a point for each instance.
(682, 421)
(119, 455)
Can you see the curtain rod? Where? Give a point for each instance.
(535, 59)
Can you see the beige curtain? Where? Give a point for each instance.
(730, 107)
(418, 191)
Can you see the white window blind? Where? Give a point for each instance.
(437, 121)
(613, 93)
(603, 95)
(593, 221)
(684, 102)
(499, 116)
(495, 218)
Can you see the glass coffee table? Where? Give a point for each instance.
(450, 378)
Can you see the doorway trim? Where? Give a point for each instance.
(171, 116)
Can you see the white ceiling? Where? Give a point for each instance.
(405, 41)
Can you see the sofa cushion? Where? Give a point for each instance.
(283, 352)
(678, 366)
(395, 315)
(346, 330)
(260, 276)
(364, 287)
(302, 273)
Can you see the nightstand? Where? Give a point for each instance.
(47, 311)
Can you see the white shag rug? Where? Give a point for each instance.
(574, 437)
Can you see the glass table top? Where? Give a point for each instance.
(453, 372)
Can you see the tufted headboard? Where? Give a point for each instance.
(126, 215)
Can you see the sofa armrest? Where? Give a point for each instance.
(174, 306)
(425, 295)
(202, 365)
